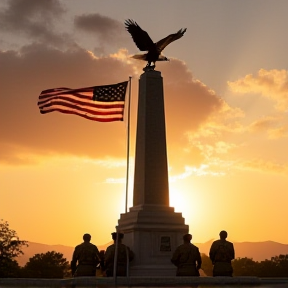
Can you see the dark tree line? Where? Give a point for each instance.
(275, 267)
(45, 265)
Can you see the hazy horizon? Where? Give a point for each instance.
(258, 251)
(208, 241)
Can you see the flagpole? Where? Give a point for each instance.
(128, 146)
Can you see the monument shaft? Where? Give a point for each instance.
(151, 171)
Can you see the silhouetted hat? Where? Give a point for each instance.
(114, 235)
(187, 237)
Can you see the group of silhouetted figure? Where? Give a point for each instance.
(87, 258)
(187, 258)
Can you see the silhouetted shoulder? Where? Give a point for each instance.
(79, 247)
(93, 245)
(194, 246)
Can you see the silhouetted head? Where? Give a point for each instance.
(114, 236)
(223, 235)
(87, 237)
(187, 237)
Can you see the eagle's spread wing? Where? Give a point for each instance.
(140, 37)
(170, 38)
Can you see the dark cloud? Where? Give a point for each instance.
(188, 100)
(97, 23)
(24, 75)
(108, 30)
(34, 18)
(43, 22)
(188, 105)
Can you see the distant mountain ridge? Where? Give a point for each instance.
(258, 251)
(38, 248)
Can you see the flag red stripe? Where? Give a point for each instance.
(67, 106)
(65, 100)
(65, 89)
(94, 118)
(79, 94)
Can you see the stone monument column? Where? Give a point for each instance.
(152, 229)
(151, 171)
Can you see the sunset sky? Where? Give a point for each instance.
(226, 105)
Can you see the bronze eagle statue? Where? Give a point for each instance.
(145, 43)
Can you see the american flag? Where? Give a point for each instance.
(98, 103)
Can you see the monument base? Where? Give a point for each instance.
(152, 232)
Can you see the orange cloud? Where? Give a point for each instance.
(263, 166)
(202, 170)
(278, 133)
(275, 127)
(263, 124)
(24, 74)
(272, 84)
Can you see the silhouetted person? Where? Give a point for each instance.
(124, 252)
(87, 256)
(221, 254)
(187, 258)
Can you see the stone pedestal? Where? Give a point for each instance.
(152, 229)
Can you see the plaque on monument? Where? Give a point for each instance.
(165, 243)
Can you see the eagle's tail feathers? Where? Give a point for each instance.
(139, 57)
